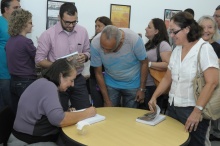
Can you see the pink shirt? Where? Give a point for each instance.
(55, 43)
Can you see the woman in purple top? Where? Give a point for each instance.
(20, 52)
(40, 114)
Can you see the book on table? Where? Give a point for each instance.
(72, 58)
(152, 118)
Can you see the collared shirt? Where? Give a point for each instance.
(183, 72)
(4, 36)
(55, 43)
(122, 68)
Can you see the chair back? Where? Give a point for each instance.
(6, 124)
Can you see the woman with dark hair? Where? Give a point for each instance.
(40, 114)
(96, 95)
(180, 75)
(156, 32)
(20, 52)
(100, 23)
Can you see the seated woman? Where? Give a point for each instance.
(40, 114)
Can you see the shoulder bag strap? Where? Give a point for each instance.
(158, 53)
(199, 73)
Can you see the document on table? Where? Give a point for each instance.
(152, 118)
(91, 120)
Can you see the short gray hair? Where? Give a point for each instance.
(112, 32)
(216, 35)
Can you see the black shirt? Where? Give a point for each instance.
(216, 47)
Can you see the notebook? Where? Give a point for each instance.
(72, 58)
(158, 118)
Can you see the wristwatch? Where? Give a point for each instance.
(199, 107)
(142, 90)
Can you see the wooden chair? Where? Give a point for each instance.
(6, 124)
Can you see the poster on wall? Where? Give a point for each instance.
(168, 13)
(120, 15)
(53, 8)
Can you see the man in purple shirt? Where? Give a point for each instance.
(62, 39)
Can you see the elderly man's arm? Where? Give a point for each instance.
(102, 86)
(144, 73)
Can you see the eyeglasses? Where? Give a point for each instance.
(175, 32)
(217, 16)
(68, 22)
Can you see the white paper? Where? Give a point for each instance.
(81, 125)
(159, 118)
(69, 55)
(95, 119)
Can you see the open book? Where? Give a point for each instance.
(152, 118)
(72, 58)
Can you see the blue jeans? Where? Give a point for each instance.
(5, 95)
(181, 114)
(123, 97)
(17, 87)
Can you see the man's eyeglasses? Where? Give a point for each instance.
(175, 32)
(217, 16)
(68, 22)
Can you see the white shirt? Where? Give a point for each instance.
(183, 72)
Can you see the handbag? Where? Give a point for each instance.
(212, 108)
(156, 74)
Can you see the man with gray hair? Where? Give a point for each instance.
(123, 55)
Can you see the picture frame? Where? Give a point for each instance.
(168, 13)
(53, 8)
(120, 15)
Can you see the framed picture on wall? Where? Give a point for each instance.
(120, 15)
(168, 13)
(53, 8)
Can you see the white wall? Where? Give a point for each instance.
(142, 11)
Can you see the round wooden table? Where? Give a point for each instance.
(120, 129)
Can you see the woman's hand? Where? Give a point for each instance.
(193, 120)
(152, 104)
